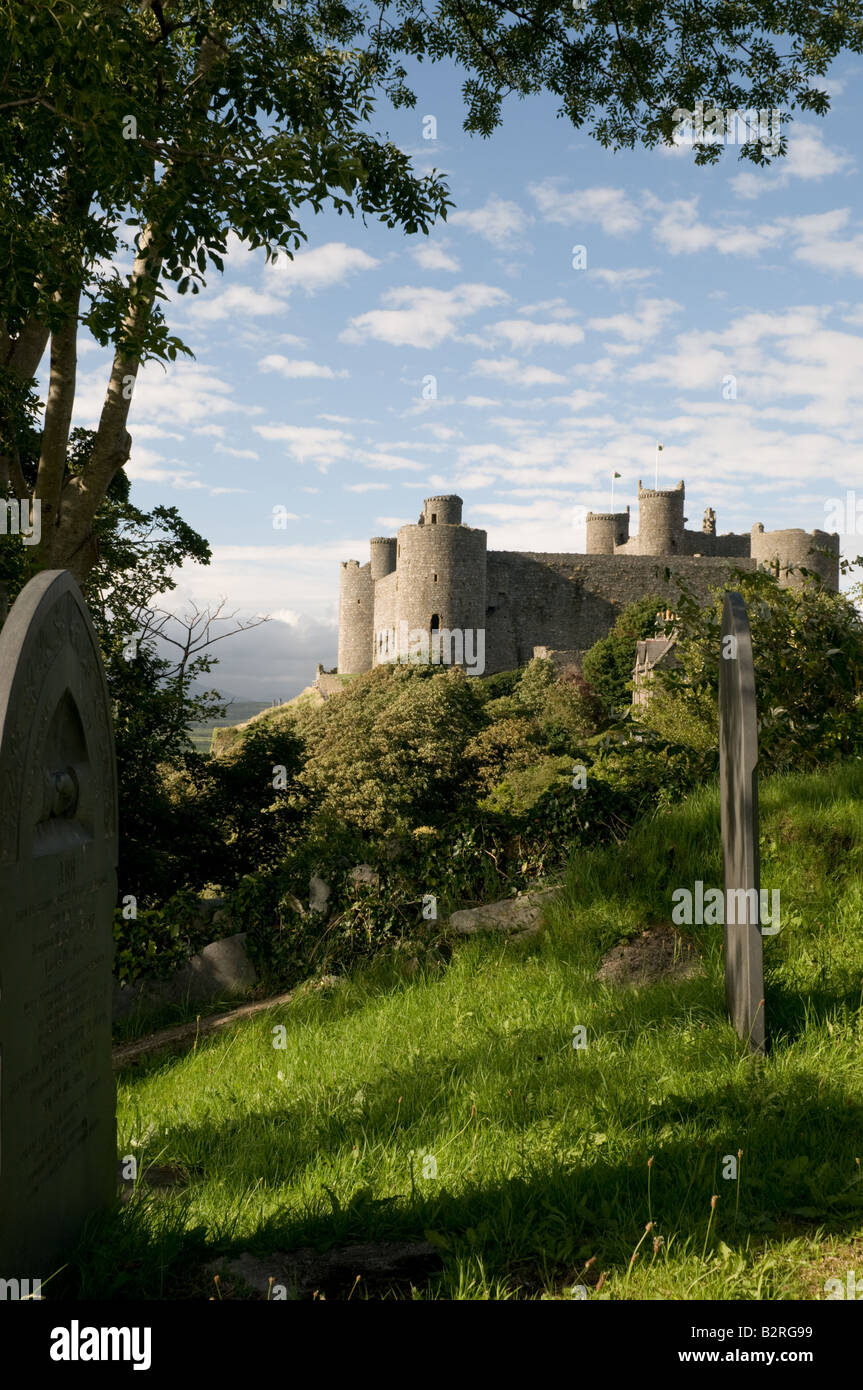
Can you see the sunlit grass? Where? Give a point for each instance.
(541, 1150)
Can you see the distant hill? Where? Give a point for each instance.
(238, 711)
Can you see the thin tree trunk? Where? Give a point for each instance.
(82, 495)
(55, 434)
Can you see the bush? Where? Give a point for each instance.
(390, 752)
(609, 663)
(808, 652)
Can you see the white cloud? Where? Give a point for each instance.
(651, 317)
(366, 487)
(621, 279)
(556, 308)
(211, 305)
(820, 244)
(185, 394)
(679, 229)
(391, 462)
(236, 453)
(422, 318)
(526, 335)
(308, 443)
(809, 157)
(511, 370)
(500, 221)
(292, 368)
(431, 256)
(326, 265)
(578, 399)
(145, 466)
(612, 208)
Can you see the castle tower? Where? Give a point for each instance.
(442, 573)
(605, 530)
(383, 553)
(356, 618)
(442, 511)
(776, 550)
(660, 520)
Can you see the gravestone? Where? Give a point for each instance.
(738, 773)
(58, 857)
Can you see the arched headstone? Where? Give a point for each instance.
(58, 858)
(738, 772)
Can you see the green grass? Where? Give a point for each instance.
(542, 1150)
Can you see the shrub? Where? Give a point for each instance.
(390, 751)
(609, 663)
(808, 652)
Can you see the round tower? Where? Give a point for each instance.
(777, 550)
(442, 511)
(383, 553)
(660, 520)
(356, 618)
(442, 581)
(605, 530)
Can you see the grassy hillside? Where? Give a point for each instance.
(550, 1161)
(238, 712)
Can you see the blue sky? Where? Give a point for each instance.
(306, 392)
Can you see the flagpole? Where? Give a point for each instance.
(612, 492)
(656, 474)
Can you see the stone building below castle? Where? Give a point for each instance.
(438, 577)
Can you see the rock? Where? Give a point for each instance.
(222, 968)
(225, 965)
(293, 904)
(364, 873)
(659, 953)
(302, 1272)
(519, 916)
(319, 894)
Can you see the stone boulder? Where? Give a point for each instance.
(517, 917)
(319, 894)
(222, 969)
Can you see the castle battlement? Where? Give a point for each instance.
(437, 575)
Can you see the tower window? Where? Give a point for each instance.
(434, 518)
(435, 622)
(434, 577)
(358, 600)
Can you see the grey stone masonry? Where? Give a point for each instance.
(438, 574)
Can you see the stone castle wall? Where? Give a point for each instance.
(571, 601)
(439, 574)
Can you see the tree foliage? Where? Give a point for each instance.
(807, 646)
(609, 663)
(155, 129)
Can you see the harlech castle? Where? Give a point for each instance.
(438, 577)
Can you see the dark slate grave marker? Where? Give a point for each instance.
(58, 857)
(738, 771)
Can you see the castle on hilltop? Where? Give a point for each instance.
(437, 579)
